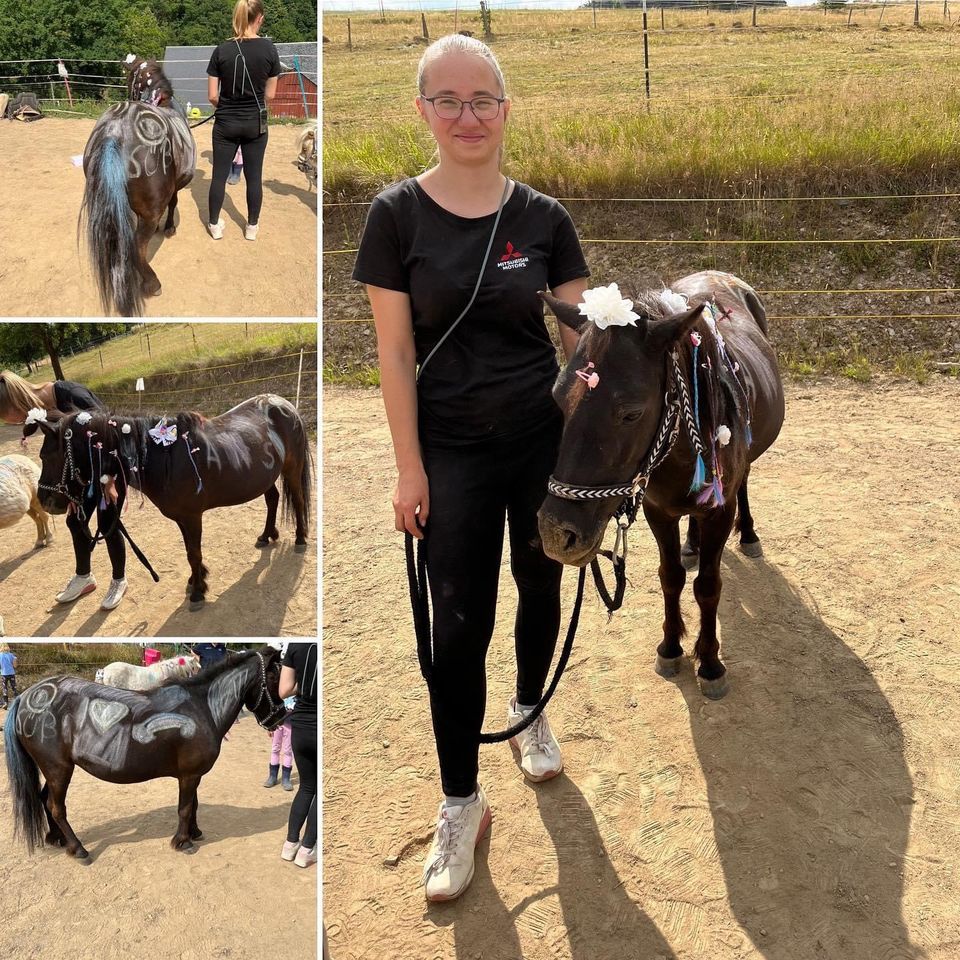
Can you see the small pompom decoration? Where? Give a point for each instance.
(83, 418)
(125, 428)
(723, 435)
(675, 302)
(105, 478)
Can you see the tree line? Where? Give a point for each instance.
(89, 33)
(23, 344)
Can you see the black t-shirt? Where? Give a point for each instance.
(237, 88)
(72, 397)
(303, 658)
(492, 377)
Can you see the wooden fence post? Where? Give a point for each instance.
(916, 13)
(646, 56)
(349, 35)
(423, 25)
(593, 7)
(850, 15)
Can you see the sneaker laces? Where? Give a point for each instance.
(540, 735)
(446, 841)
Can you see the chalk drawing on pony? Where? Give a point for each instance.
(139, 155)
(124, 736)
(19, 477)
(186, 465)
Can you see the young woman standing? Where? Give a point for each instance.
(476, 431)
(241, 81)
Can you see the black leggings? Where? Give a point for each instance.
(472, 489)
(304, 806)
(228, 134)
(82, 550)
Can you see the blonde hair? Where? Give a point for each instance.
(244, 13)
(4, 647)
(17, 393)
(457, 43)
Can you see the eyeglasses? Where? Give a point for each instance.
(450, 108)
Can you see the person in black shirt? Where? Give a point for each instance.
(298, 675)
(242, 80)
(475, 431)
(17, 398)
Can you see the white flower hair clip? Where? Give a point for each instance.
(129, 58)
(125, 428)
(605, 307)
(723, 434)
(83, 418)
(164, 433)
(675, 302)
(35, 415)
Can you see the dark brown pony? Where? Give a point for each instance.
(185, 464)
(620, 394)
(137, 158)
(127, 737)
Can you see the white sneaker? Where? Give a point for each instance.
(216, 230)
(538, 748)
(306, 856)
(289, 850)
(251, 231)
(115, 594)
(449, 866)
(78, 586)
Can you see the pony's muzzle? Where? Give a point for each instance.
(563, 535)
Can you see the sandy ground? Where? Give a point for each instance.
(252, 592)
(813, 813)
(136, 897)
(43, 273)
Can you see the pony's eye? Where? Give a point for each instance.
(631, 416)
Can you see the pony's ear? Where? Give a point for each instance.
(566, 313)
(663, 334)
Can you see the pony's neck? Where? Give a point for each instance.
(225, 694)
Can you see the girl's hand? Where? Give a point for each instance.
(110, 490)
(411, 501)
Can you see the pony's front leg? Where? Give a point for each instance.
(715, 527)
(187, 809)
(192, 531)
(672, 578)
(58, 780)
(195, 832)
(40, 518)
(145, 230)
(168, 228)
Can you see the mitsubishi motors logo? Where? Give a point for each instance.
(512, 259)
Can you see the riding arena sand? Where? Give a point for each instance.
(44, 273)
(135, 897)
(812, 814)
(253, 592)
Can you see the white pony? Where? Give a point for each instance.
(129, 676)
(307, 156)
(19, 477)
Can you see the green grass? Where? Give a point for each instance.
(858, 369)
(824, 108)
(912, 366)
(364, 376)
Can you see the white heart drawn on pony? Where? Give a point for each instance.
(105, 713)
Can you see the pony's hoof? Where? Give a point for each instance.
(714, 689)
(170, 232)
(196, 605)
(753, 550)
(185, 847)
(196, 835)
(299, 548)
(82, 855)
(40, 544)
(690, 559)
(667, 666)
(263, 542)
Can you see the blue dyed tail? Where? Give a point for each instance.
(29, 819)
(111, 230)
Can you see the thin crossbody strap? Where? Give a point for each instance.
(246, 73)
(473, 296)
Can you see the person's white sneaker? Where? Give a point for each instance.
(449, 866)
(115, 594)
(306, 856)
(216, 230)
(289, 850)
(251, 231)
(78, 587)
(539, 751)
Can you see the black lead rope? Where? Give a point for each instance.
(119, 525)
(420, 601)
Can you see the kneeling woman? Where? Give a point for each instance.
(17, 398)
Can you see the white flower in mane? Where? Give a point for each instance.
(723, 434)
(129, 58)
(35, 415)
(125, 428)
(605, 307)
(83, 418)
(674, 302)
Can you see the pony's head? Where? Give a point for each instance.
(612, 394)
(264, 700)
(57, 486)
(146, 81)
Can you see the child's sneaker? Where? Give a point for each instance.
(115, 594)
(80, 585)
(251, 232)
(449, 866)
(538, 748)
(306, 856)
(216, 230)
(289, 850)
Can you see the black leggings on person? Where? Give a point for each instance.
(304, 806)
(472, 489)
(82, 550)
(228, 134)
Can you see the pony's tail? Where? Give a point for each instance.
(306, 483)
(111, 230)
(29, 819)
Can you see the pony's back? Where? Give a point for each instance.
(19, 477)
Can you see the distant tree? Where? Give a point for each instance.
(25, 342)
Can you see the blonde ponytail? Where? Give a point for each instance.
(244, 14)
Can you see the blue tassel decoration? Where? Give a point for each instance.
(699, 476)
(749, 435)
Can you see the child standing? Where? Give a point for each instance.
(282, 752)
(8, 672)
